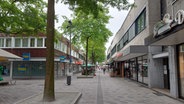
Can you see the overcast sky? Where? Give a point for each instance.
(114, 23)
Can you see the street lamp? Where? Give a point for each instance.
(69, 26)
(68, 73)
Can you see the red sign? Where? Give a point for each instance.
(78, 62)
(119, 55)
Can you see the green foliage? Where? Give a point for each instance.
(92, 6)
(86, 26)
(22, 16)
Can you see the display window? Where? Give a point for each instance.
(181, 70)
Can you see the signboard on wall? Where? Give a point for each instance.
(62, 58)
(168, 23)
(26, 56)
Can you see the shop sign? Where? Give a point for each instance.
(167, 23)
(22, 68)
(119, 55)
(179, 17)
(78, 62)
(62, 58)
(26, 56)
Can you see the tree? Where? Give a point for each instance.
(49, 94)
(92, 6)
(87, 7)
(88, 30)
(97, 51)
(22, 17)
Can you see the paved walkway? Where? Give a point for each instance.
(101, 89)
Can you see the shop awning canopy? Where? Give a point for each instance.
(89, 65)
(4, 55)
(133, 51)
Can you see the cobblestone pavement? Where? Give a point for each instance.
(101, 89)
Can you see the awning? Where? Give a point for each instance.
(161, 55)
(4, 55)
(133, 51)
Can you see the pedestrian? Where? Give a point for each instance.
(104, 70)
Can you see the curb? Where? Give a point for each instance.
(75, 101)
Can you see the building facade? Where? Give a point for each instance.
(33, 52)
(167, 41)
(148, 48)
(128, 51)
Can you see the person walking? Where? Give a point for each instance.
(104, 70)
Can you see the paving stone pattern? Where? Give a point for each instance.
(112, 90)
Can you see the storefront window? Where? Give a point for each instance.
(181, 69)
(145, 71)
(127, 70)
(140, 69)
(137, 69)
(133, 69)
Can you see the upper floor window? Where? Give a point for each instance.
(118, 47)
(1, 42)
(40, 42)
(131, 32)
(8, 42)
(125, 39)
(121, 43)
(140, 23)
(113, 50)
(32, 42)
(25, 42)
(17, 42)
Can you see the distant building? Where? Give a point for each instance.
(32, 49)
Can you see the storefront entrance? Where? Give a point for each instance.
(166, 73)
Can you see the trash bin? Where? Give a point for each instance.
(68, 81)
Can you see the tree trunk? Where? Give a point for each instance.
(49, 94)
(87, 54)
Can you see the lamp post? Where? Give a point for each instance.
(68, 73)
(70, 25)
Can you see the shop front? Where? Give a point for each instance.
(167, 66)
(181, 69)
(137, 69)
(135, 64)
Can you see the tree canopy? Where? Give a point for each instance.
(85, 26)
(22, 16)
(92, 6)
